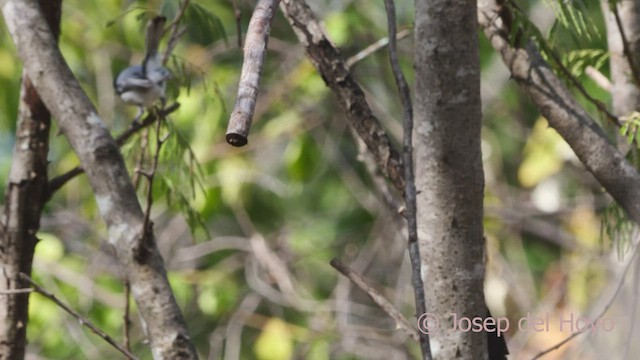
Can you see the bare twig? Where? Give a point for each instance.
(59, 181)
(376, 46)
(238, 16)
(254, 54)
(81, 319)
(410, 186)
(378, 298)
(603, 312)
(142, 152)
(151, 175)
(16, 291)
(598, 77)
(175, 31)
(126, 317)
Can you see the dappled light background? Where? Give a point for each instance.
(247, 233)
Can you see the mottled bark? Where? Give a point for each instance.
(24, 200)
(255, 49)
(449, 176)
(108, 176)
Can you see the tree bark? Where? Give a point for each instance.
(99, 155)
(449, 176)
(327, 59)
(625, 94)
(24, 200)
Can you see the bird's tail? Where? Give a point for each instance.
(155, 28)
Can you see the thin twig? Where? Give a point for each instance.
(376, 46)
(598, 78)
(126, 318)
(59, 181)
(602, 313)
(626, 48)
(378, 298)
(16, 291)
(81, 319)
(144, 144)
(151, 175)
(254, 54)
(410, 186)
(175, 31)
(238, 15)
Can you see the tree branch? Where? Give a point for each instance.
(24, 200)
(255, 49)
(619, 178)
(410, 185)
(107, 174)
(378, 298)
(81, 319)
(328, 60)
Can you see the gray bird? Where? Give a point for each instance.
(142, 85)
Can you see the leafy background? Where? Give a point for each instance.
(247, 234)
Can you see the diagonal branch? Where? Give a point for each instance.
(589, 142)
(378, 298)
(81, 319)
(327, 59)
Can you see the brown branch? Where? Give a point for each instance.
(378, 298)
(81, 319)
(238, 16)
(255, 49)
(410, 185)
(554, 101)
(126, 317)
(106, 171)
(327, 59)
(24, 200)
(59, 181)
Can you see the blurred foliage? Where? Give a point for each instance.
(247, 233)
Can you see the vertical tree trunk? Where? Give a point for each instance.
(24, 201)
(625, 93)
(449, 177)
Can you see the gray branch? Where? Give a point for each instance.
(255, 49)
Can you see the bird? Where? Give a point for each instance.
(144, 84)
